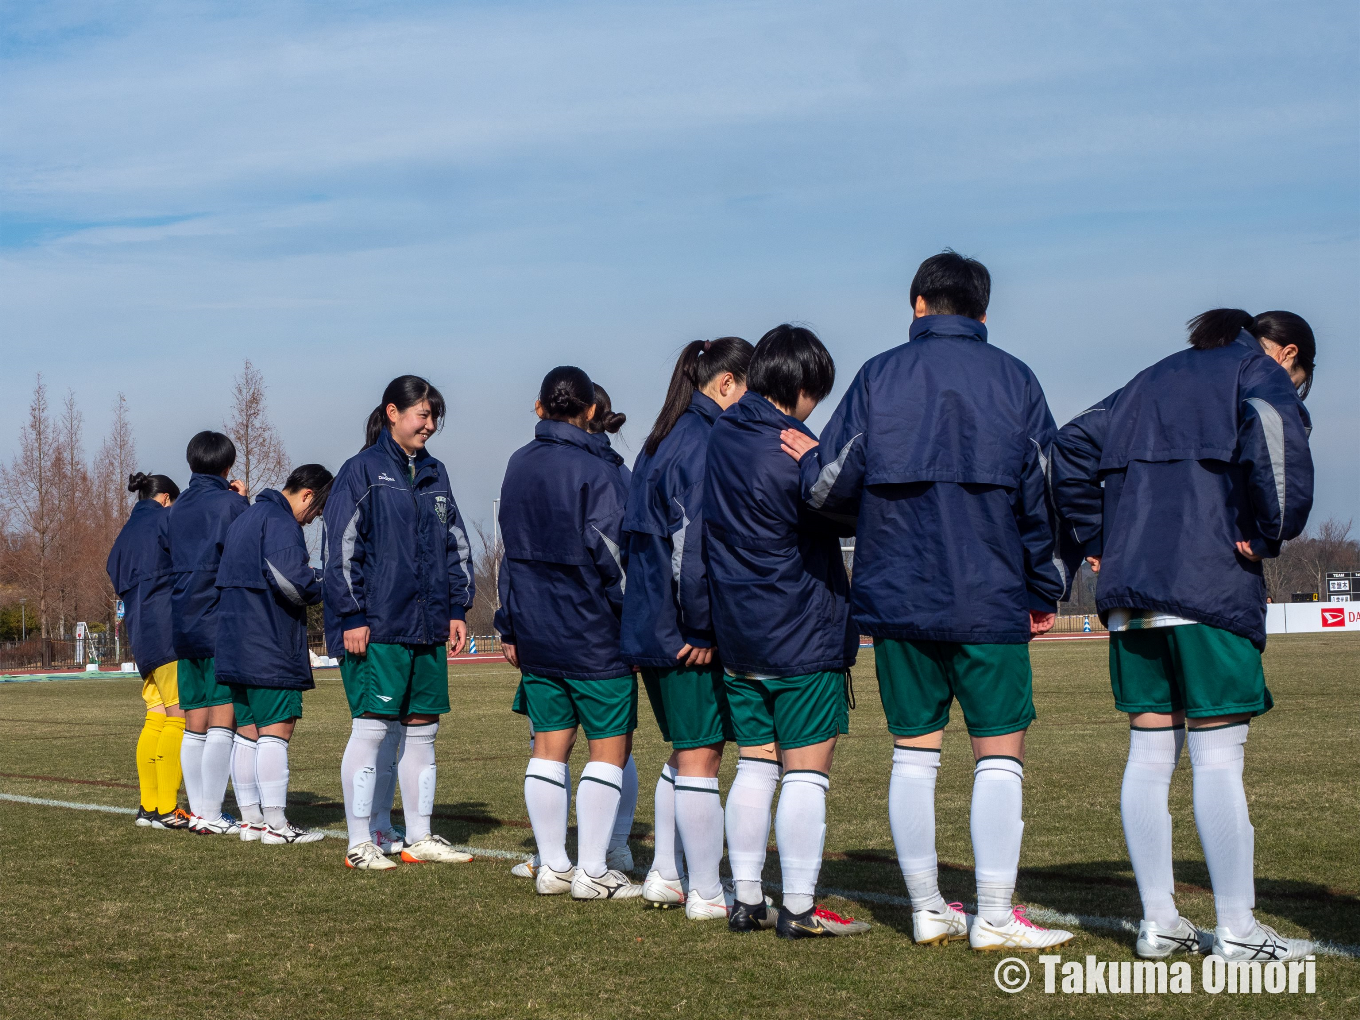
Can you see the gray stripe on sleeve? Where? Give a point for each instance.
(614, 551)
(464, 549)
(1045, 466)
(678, 542)
(286, 586)
(822, 488)
(1272, 427)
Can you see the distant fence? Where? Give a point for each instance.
(316, 642)
(57, 653)
(1080, 624)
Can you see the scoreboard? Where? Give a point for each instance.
(1342, 586)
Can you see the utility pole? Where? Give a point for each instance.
(23, 618)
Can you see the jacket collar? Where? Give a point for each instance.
(564, 432)
(705, 406)
(424, 458)
(947, 325)
(1248, 341)
(201, 481)
(145, 506)
(276, 497)
(754, 407)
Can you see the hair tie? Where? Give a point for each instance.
(708, 346)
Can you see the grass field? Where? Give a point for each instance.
(102, 919)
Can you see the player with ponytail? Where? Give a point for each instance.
(139, 567)
(668, 630)
(398, 582)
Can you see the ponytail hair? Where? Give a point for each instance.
(567, 393)
(149, 486)
(1219, 327)
(405, 391)
(605, 419)
(700, 362)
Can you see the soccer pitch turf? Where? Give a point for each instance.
(100, 918)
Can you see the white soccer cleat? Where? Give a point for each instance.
(1262, 943)
(526, 869)
(251, 833)
(663, 892)
(552, 883)
(939, 927)
(393, 841)
(223, 825)
(699, 908)
(612, 885)
(433, 850)
(1157, 943)
(367, 857)
(619, 858)
(1019, 934)
(290, 833)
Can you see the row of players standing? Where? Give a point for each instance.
(717, 572)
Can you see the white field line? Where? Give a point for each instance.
(1041, 914)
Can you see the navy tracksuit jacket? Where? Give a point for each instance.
(939, 452)
(266, 583)
(398, 559)
(197, 529)
(562, 577)
(139, 567)
(666, 605)
(1162, 478)
(776, 577)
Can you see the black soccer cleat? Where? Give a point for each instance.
(145, 817)
(816, 923)
(749, 916)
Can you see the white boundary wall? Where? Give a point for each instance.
(1313, 618)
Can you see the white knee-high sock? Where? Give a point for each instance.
(998, 798)
(699, 820)
(1153, 755)
(547, 786)
(748, 824)
(597, 804)
(385, 781)
(666, 862)
(358, 772)
(272, 767)
(191, 764)
(1225, 830)
(217, 751)
(416, 773)
(911, 815)
(628, 795)
(245, 779)
(800, 834)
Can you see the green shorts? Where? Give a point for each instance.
(602, 708)
(265, 706)
(792, 711)
(198, 686)
(1194, 668)
(397, 680)
(918, 680)
(690, 705)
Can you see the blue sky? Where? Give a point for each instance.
(478, 192)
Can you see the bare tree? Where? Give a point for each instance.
(486, 568)
(1303, 564)
(261, 462)
(116, 464)
(28, 488)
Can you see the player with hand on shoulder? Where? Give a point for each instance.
(398, 583)
(668, 629)
(267, 582)
(939, 452)
(561, 593)
(779, 597)
(1175, 488)
(196, 528)
(139, 568)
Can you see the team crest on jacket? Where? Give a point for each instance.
(441, 507)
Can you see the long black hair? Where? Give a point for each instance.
(1219, 327)
(149, 486)
(566, 393)
(404, 391)
(700, 362)
(311, 476)
(606, 419)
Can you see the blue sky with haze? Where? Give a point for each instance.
(477, 192)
